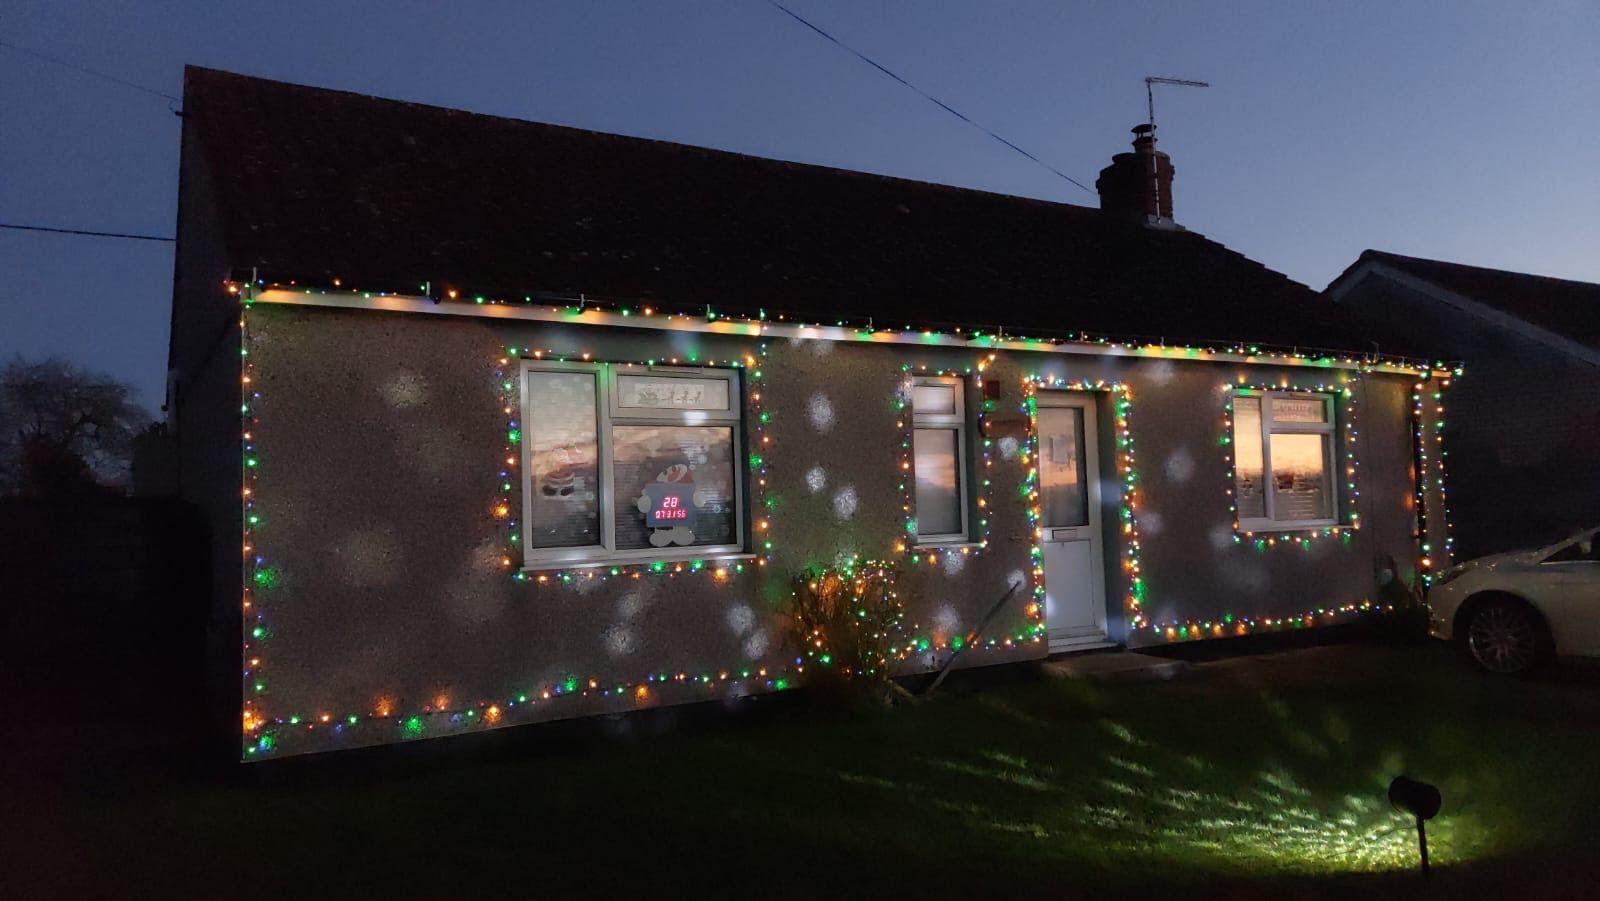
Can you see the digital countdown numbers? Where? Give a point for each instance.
(671, 504)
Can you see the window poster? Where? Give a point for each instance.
(643, 392)
(1299, 409)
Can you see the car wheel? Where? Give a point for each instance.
(1506, 637)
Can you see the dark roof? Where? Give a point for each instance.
(317, 184)
(1567, 308)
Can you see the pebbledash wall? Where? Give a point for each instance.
(384, 597)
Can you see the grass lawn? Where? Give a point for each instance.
(1258, 776)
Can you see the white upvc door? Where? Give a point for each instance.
(1072, 541)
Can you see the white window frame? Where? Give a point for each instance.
(1328, 429)
(943, 422)
(608, 415)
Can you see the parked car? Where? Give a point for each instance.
(1516, 610)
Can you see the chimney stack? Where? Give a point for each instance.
(1138, 185)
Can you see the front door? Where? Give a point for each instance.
(1069, 481)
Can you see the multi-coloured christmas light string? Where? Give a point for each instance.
(1345, 422)
(262, 732)
(507, 499)
(1429, 472)
(906, 544)
(1231, 625)
(1429, 431)
(444, 714)
(647, 314)
(1121, 396)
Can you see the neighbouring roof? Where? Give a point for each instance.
(315, 184)
(1568, 308)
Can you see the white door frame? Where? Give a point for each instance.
(1094, 634)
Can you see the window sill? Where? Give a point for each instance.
(713, 556)
(1265, 526)
(951, 545)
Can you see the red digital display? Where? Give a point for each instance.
(671, 508)
(669, 504)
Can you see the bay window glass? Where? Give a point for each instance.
(1283, 460)
(629, 463)
(938, 460)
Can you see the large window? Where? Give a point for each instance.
(629, 463)
(939, 459)
(1283, 460)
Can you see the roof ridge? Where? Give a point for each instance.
(676, 146)
(1373, 253)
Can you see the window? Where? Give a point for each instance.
(629, 464)
(1283, 460)
(939, 459)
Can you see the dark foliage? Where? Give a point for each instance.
(845, 622)
(64, 430)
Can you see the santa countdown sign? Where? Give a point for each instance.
(670, 504)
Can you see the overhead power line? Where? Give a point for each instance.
(87, 71)
(924, 94)
(83, 232)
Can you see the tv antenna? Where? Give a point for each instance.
(1151, 81)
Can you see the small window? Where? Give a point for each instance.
(1283, 460)
(939, 459)
(629, 465)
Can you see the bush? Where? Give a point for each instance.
(844, 622)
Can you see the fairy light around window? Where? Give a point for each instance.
(264, 732)
(507, 500)
(1430, 473)
(1345, 423)
(980, 475)
(932, 555)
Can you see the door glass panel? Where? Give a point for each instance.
(1062, 470)
(1300, 478)
(564, 507)
(935, 459)
(1248, 475)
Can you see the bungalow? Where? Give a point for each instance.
(497, 422)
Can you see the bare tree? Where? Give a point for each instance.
(63, 428)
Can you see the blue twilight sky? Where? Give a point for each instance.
(1459, 130)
